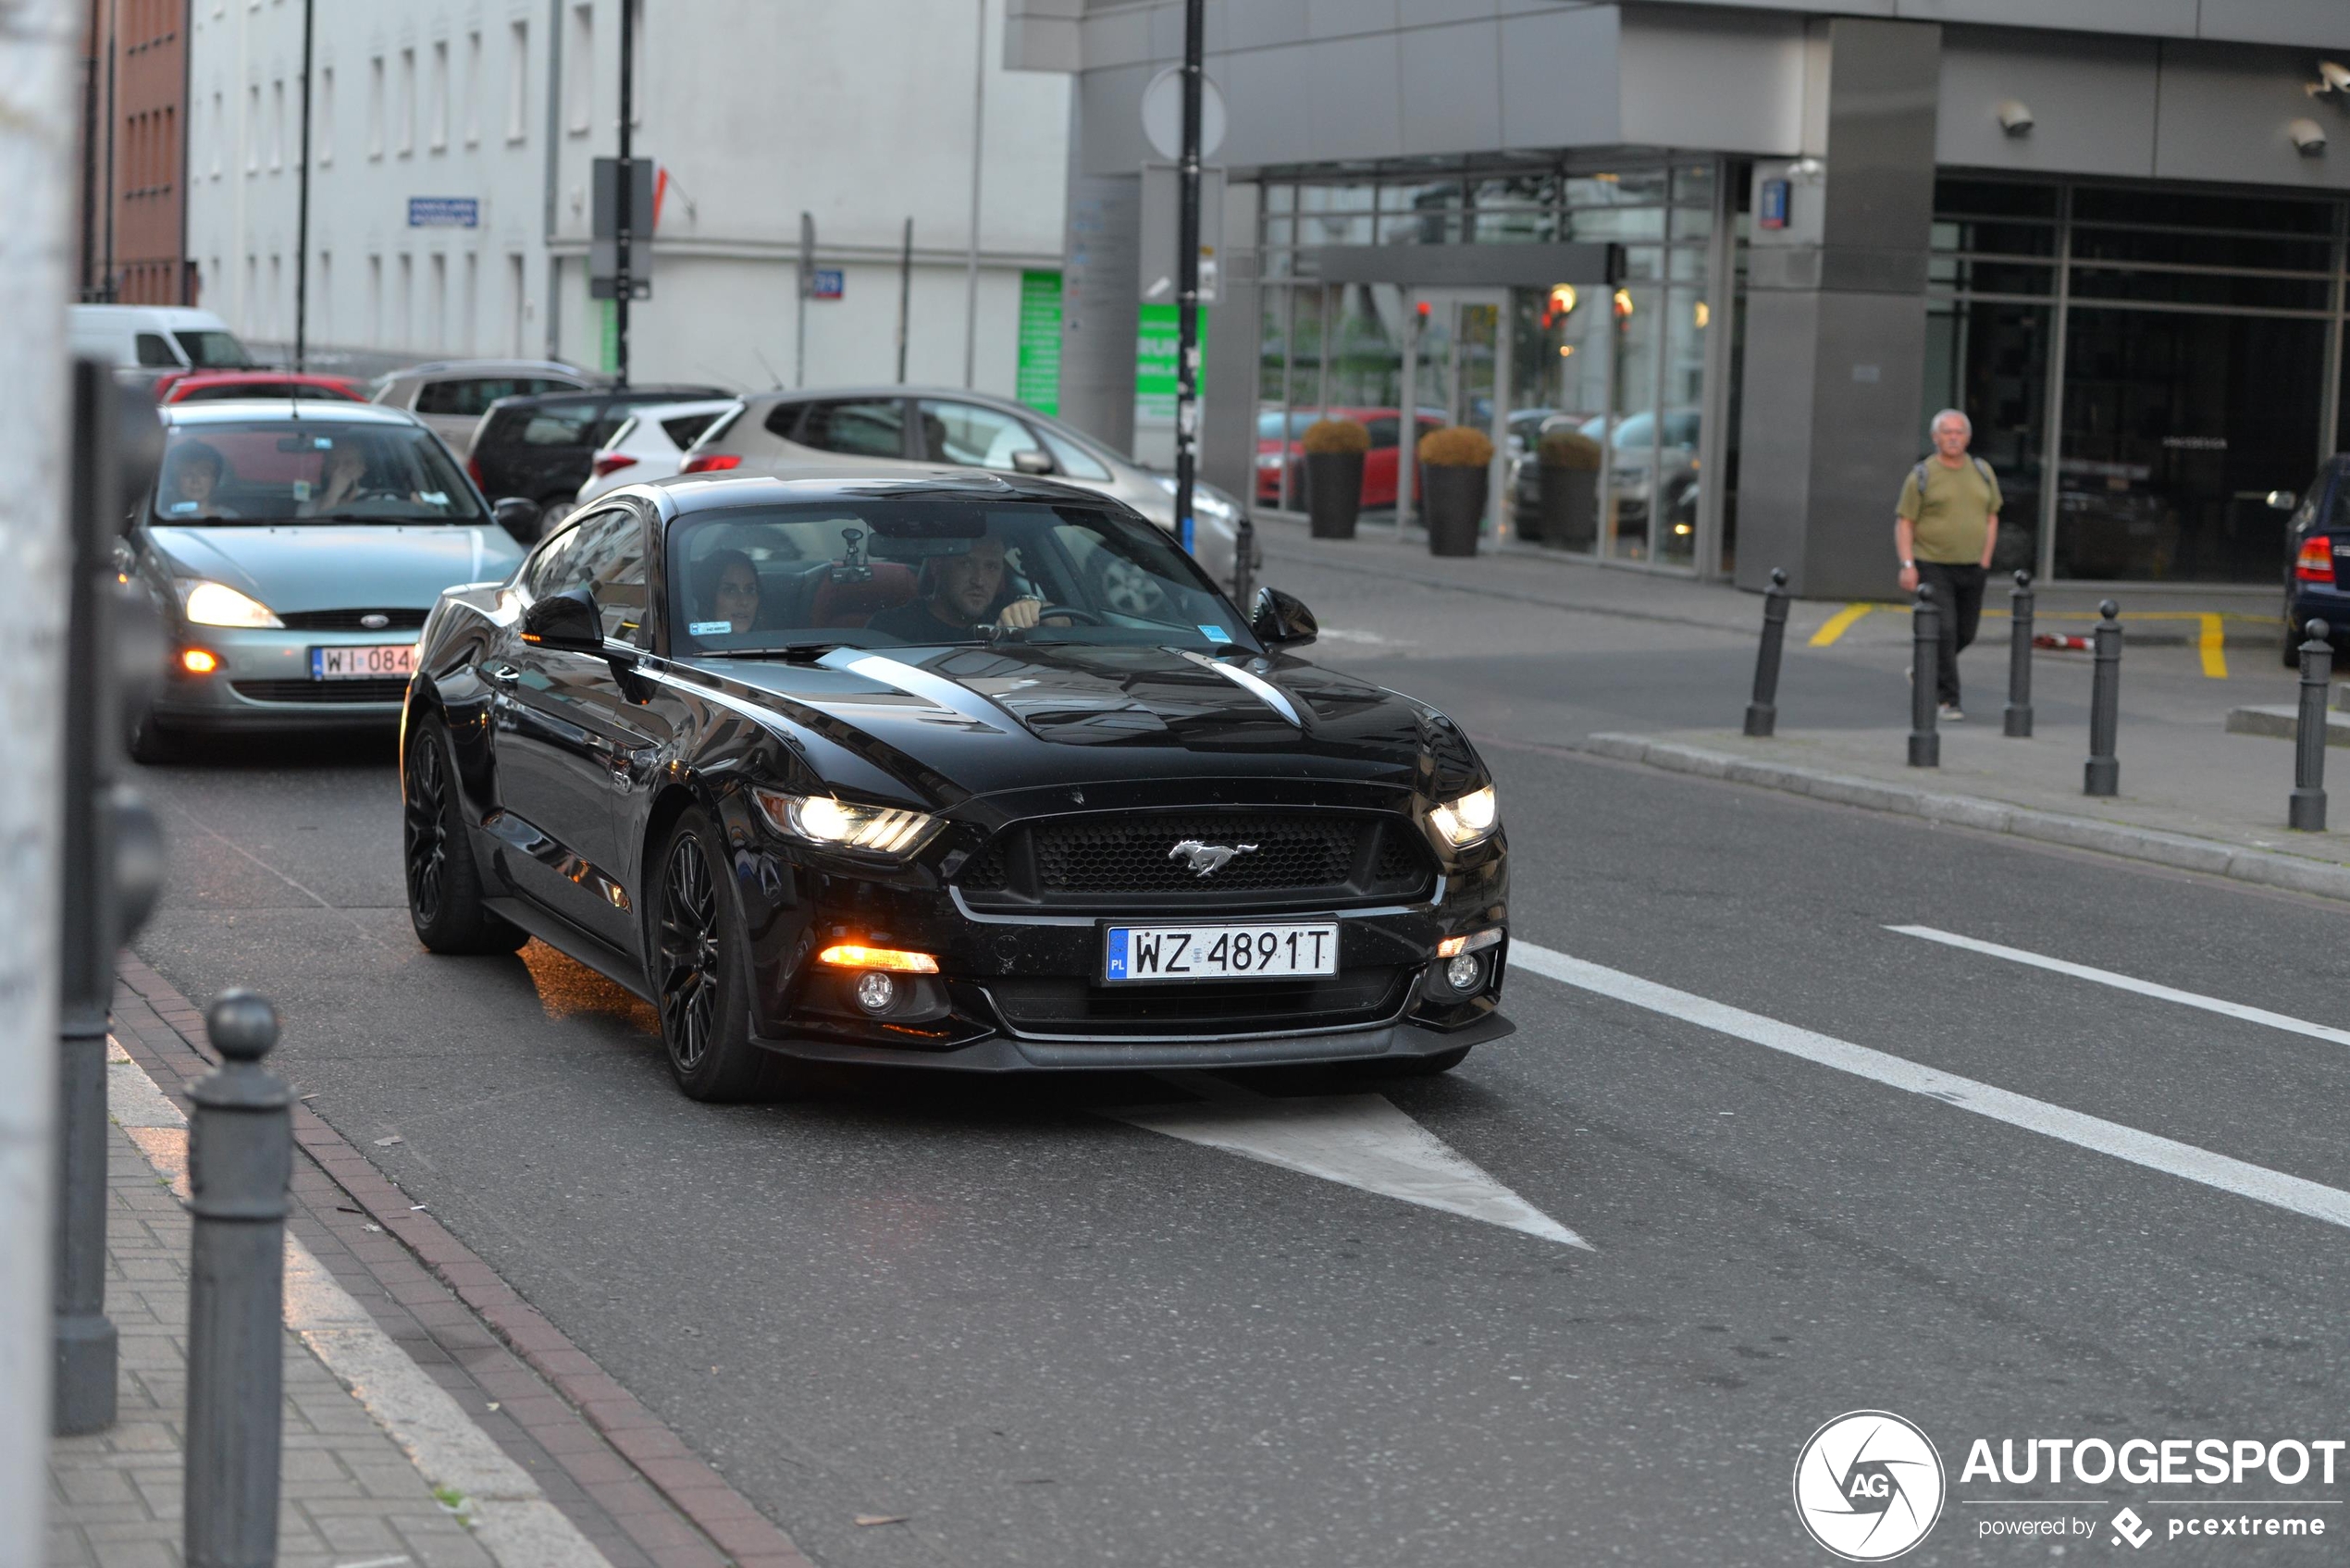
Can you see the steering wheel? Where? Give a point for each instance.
(1044, 611)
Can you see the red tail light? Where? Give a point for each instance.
(613, 462)
(2315, 563)
(711, 462)
(473, 466)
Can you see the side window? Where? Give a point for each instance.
(561, 426)
(549, 570)
(1384, 430)
(1074, 459)
(531, 386)
(874, 428)
(685, 427)
(611, 559)
(972, 436)
(152, 350)
(784, 420)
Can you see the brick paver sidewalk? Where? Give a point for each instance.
(351, 1498)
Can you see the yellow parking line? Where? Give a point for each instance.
(2212, 644)
(1839, 623)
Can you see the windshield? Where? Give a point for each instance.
(309, 470)
(214, 350)
(889, 571)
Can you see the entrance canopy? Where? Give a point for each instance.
(1465, 267)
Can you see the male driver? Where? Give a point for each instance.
(1944, 531)
(963, 594)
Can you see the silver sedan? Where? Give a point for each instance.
(295, 551)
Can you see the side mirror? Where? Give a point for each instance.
(1028, 459)
(2284, 500)
(1281, 620)
(520, 517)
(568, 622)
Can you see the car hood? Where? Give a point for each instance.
(340, 566)
(950, 722)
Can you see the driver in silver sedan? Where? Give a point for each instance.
(962, 590)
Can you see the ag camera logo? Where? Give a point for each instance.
(1868, 1485)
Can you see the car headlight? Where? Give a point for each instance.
(820, 819)
(1470, 819)
(217, 604)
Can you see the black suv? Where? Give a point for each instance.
(542, 447)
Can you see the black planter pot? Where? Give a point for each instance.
(1453, 506)
(1333, 492)
(1569, 508)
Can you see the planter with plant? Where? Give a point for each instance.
(1334, 449)
(1455, 463)
(1567, 508)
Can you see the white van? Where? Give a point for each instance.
(154, 339)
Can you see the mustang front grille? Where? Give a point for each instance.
(1200, 860)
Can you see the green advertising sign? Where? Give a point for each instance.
(1156, 341)
(1039, 384)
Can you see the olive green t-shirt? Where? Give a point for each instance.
(1951, 520)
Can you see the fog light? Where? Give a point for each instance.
(196, 661)
(876, 992)
(856, 956)
(1462, 973)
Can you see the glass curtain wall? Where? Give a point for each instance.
(2143, 366)
(1627, 368)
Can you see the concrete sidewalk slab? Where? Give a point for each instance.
(2283, 720)
(2199, 801)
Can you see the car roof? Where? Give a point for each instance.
(680, 494)
(230, 411)
(889, 390)
(488, 367)
(598, 394)
(307, 377)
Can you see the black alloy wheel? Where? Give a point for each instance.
(699, 970)
(444, 884)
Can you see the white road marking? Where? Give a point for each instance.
(1355, 1140)
(2126, 983)
(2155, 1153)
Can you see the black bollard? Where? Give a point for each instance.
(2018, 715)
(240, 1160)
(2103, 776)
(1925, 684)
(2308, 812)
(1762, 713)
(1243, 559)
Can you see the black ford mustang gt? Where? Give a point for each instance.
(959, 771)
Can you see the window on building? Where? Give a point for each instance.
(468, 309)
(252, 128)
(437, 107)
(403, 304)
(579, 66)
(637, 87)
(376, 300)
(517, 304)
(375, 107)
(473, 87)
(404, 129)
(322, 296)
(220, 133)
(518, 80)
(276, 125)
(436, 304)
(322, 117)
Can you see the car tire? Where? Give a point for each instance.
(553, 508)
(435, 854)
(699, 970)
(149, 743)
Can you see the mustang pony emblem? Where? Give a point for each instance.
(1207, 858)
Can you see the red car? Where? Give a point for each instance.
(1379, 463)
(212, 385)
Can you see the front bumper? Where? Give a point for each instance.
(263, 682)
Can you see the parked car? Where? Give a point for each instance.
(451, 396)
(1380, 464)
(225, 386)
(293, 550)
(916, 428)
(143, 342)
(1632, 461)
(649, 444)
(2316, 558)
(544, 447)
(803, 764)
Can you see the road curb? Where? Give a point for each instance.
(724, 1525)
(2183, 851)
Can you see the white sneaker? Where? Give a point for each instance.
(1950, 714)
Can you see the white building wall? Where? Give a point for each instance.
(758, 110)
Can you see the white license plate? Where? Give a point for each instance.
(1220, 952)
(375, 661)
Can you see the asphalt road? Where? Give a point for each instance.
(1050, 1336)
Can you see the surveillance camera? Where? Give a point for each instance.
(2014, 118)
(2308, 138)
(2335, 75)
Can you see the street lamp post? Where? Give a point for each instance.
(1187, 277)
(624, 195)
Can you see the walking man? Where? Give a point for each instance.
(1944, 531)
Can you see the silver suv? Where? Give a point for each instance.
(924, 428)
(451, 395)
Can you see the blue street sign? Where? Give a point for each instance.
(444, 212)
(828, 284)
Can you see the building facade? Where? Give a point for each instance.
(1751, 249)
(134, 169)
(452, 159)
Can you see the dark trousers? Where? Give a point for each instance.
(1958, 594)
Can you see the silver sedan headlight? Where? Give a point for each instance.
(206, 603)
